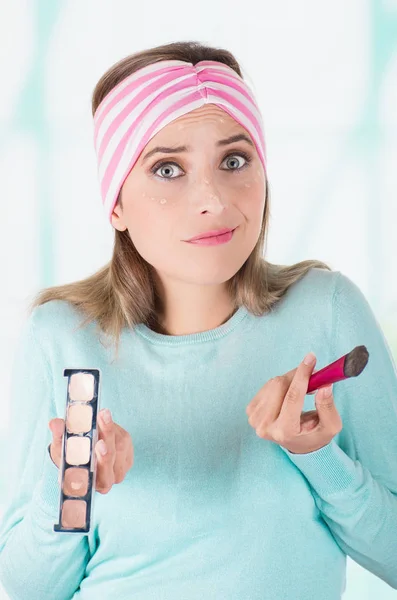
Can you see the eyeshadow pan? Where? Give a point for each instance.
(79, 418)
(76, 482)
(81, 387)
(74, 513)
(77, 450)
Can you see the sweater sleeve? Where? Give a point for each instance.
(354, 481)
(35, 562)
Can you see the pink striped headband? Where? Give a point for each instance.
(144, 102)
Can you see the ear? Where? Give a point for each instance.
(117, 219)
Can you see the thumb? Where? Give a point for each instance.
(57, 429)
(326, 408)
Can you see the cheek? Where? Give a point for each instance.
(150, 222)
(250, 199)
(147, 212)
(251, 182)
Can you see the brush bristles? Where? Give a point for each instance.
(355, 361)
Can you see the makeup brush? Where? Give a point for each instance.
(349, 365)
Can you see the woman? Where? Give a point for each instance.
(222, 479)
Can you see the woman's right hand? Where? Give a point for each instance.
(113, 466)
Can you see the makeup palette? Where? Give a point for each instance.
(78, 463)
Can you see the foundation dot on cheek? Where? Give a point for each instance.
(163, 201)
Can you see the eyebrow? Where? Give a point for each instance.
(225, 142)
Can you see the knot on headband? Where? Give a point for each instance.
(142, 104)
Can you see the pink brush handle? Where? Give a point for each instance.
(330, 374)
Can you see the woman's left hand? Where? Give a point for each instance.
(276, 414)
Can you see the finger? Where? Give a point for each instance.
(314, 391)
(105, 462)
(320, 387)
(251, 407)
(309, 421)
(57, 428)
(268, 409)
(259, 397)
(327, 412)
(292, 407)
(291, 373)
(123, 459)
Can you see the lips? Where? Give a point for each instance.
(208, 234)
(214, 240)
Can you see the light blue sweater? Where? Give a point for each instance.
(209, 509)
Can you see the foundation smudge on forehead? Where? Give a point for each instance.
(75, 482)
(79, 418)
(77, 450)
(81, 387)
(74, 513)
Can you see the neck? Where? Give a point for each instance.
(186, 309)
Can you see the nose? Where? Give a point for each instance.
(205, 195)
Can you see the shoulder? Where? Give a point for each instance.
(337, 296)
(317, 285)
(52, 319)
(333, 289)
(46, 327)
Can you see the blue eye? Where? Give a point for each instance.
(167, 163)
(162, 165)
(241, 155)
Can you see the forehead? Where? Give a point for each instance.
(209, 115)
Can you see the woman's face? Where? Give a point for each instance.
(170, 197)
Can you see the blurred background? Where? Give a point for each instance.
(325, 77)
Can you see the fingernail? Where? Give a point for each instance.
(102, 447)
(106, 416)
(309, 358)
(327, 391)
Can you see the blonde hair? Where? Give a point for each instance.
(123, 292)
